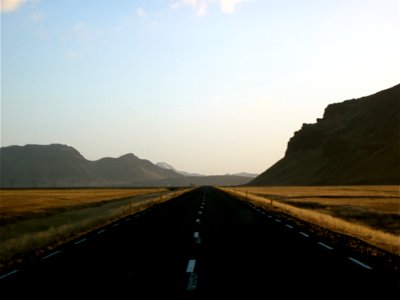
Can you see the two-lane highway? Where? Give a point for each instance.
(200, 245)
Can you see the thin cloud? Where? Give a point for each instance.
(229, 6)
(72, 55)
(82, 31)
(201, 6)
(140, 12)
(80, 38)
(146, 19)
(37, 17)
(10, 5)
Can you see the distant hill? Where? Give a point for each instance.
(164, 165)
(169, 167)
(356, 142)
(62, 166)
(245, 174)
(58, 165)
(222, 180)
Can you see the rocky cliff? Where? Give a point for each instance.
(356, 142)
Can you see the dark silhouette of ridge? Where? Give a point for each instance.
(62, 166)
(356, 142)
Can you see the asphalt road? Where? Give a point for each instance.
(202, 245)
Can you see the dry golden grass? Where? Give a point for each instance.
(20, 204)
(31, 236)
(370, 213)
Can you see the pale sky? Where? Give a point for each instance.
(208, 86)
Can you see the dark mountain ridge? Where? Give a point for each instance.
(356, 142)
(59, 165)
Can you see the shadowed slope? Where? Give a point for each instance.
(62, 166)
(356, 142)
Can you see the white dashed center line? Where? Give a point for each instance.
(360, 263)
(277, 220)
(196, 235)
(190, 266)
(289, 226)
(325, 245)
(115, 224)
(101, 231)
(304, 234)
(192, 279)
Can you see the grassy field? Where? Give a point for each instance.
(21, 204)
(370, 213)
(33, 221)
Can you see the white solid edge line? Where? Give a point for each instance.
(325, 245)
(190, 266)
(8, 274)
(51, 254)
(360, 263)
(304, 234)
(115, 224)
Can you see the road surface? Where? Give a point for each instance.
(204, 244)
